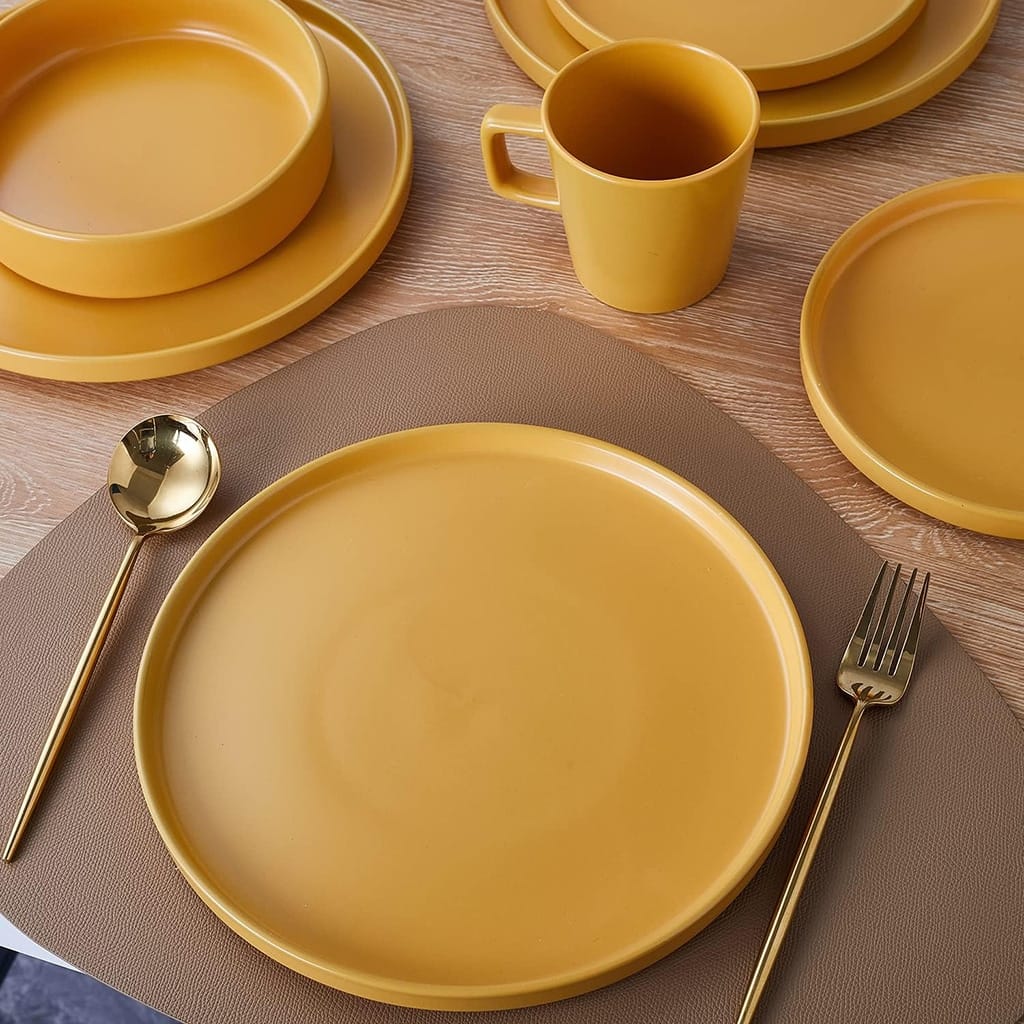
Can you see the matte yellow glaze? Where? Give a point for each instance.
(650, 145)
(473, 716)
(911, 349)
(533, 37)
(934, 51)
(778, 43)
(49, 334)
(940, 45)
(146, 148)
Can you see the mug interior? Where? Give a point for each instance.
(650, 111)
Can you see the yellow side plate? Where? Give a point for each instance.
(911, 349)
(46, 333)
(473, 716)
(778, 43)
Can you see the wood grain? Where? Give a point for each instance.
(459, 244)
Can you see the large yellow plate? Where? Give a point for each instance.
(46, 333)
(911, 349)
(932, 53)
(778, 43)
(473, 716)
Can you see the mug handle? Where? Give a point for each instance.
(507, 180)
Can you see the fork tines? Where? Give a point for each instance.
(882, 641)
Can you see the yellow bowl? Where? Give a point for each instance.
(149, 146)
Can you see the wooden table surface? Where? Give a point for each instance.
(460, 244)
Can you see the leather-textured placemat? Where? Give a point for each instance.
(914, 911)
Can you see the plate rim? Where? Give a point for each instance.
(531, 63)
(869, 113)
(221, 545)
(845, 251)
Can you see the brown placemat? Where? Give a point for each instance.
(914, 911)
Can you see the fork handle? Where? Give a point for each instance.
(798, 873)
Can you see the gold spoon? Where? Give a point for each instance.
(162, 476)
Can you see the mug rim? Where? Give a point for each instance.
(731, 157)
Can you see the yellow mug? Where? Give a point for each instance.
(650, 143)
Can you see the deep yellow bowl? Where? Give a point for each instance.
(149, 146)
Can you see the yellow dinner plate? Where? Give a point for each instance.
(473, 716)
(46, 333)
(779, 43)
(911, 349)
(931, 54)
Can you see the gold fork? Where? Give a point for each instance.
(875, 669)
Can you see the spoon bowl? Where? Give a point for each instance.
(162, 476)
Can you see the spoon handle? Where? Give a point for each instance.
(72, 697)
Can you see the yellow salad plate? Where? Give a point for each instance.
(938, 47)
(47, 333)
(148, 148)
(778, 43)
(911, 349)
(473, 716)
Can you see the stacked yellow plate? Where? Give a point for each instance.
(183, 182)
(823, 71)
